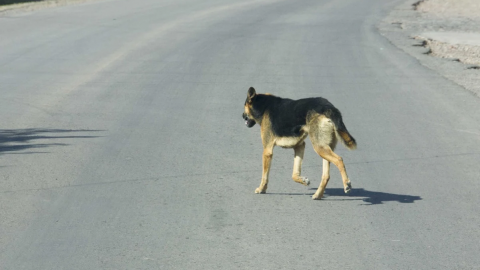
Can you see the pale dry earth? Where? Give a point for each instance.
(451, 8)
(462, 43)
(35, 6)
(448, 29)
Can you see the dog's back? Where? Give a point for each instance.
(289, 117)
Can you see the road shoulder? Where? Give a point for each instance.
(442, 34)
(19, 8)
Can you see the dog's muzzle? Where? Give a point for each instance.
(248, 122)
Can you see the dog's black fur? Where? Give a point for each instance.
(286, 123)
(289, 116)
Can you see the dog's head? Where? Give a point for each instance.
(250, 115)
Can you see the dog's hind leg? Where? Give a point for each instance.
(324, 140)
(297, 165)
(327, 153)
(325, 177)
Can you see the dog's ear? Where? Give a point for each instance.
(251, 93)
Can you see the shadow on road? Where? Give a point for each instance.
(373, 197)
(370, 197)
(18, 140)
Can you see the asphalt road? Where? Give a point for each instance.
(122, 144)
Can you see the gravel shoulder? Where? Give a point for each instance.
(443, 35)
(13, 9)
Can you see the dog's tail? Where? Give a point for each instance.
(341, 129)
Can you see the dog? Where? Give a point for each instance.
(287, 123)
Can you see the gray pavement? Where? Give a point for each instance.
(122, 145)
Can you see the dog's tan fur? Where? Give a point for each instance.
(324, 137)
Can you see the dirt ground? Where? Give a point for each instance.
(450, 45)
(444, 35)
(13, 9)
(451, 8)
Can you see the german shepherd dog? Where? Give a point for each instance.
(286, 123)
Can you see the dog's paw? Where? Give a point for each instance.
(305, 181)
(260, 191)
(348, 188)
(316, 196)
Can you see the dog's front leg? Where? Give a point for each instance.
(297, 165)
(266, 160)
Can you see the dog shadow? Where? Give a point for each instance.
(373, 197)
(367, 196)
